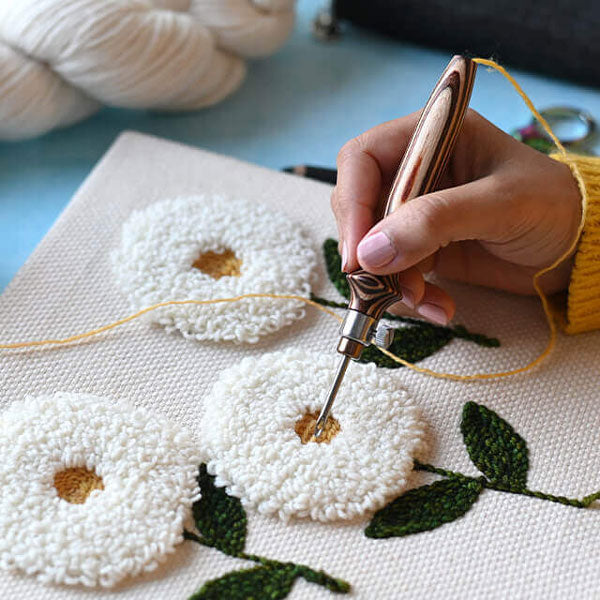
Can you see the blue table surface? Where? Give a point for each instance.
(297, 106)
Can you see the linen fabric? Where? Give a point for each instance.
(506, 546)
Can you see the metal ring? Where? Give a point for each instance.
(556, 114)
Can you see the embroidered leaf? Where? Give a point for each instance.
(333, 585)
(425, 508)
(460, 331)
(410, 343)
(494, 447)
(333, 262)
(220, 518)
(259, 583)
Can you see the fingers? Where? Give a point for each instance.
(365, 165)
(424, 299)
(435, 305)
(354, 201)
(422, 226)
(413, 287)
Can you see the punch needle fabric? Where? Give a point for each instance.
(206, 247)
(91, 491)
(258, 431)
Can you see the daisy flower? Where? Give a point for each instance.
(258, 433)
(206, 247)
(91, 491)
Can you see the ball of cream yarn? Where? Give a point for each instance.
(60, 60)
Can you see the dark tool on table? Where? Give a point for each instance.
(422, 165)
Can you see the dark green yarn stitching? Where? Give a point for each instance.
(498, 452)
(220, 518)
(414, 343)
(494, 447)
(425, 508)
(410, 343)
(333, 262)
(461, 332)
(584, 503)
(221, 521)
(268, 582)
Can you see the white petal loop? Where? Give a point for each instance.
(254, 450)
(148, 468)
(160, 244)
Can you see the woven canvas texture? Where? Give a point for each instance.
(505, 546)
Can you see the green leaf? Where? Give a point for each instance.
(460, 331)
(410, 343)
(259, 583)
(425, 508)
(338, 586)
(220, 518)
(494, 447)
(333, 262)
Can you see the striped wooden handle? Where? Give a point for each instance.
(420, 170)
(435, 134)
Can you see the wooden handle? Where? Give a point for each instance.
(424, 161)
(373, 294)
(435, 135)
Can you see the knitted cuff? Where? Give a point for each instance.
(582, 309)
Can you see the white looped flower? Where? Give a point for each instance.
(250, 249)
(258, 410)
(91, 491)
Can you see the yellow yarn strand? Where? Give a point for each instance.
(115, 324)
(494, 65)
(422, 370)
(87, 334)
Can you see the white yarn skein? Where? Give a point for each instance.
(61, 55)
(34, 99)
(244, 30)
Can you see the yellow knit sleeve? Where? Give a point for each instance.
(582, 309)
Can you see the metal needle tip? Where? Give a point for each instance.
(337, 382)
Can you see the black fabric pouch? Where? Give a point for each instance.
(560, 38)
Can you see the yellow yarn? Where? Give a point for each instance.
(571, 161)
(425, 371)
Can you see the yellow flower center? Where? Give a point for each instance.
(305, 428)
(217, 265)
(75, 484)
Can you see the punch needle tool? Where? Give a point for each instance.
(419, 172)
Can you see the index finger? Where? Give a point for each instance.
(366, 165)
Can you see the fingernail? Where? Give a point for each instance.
(408, 298)
(376, 250)
(433, 313)
(344, 257)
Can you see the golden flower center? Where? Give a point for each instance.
(219, 264)
(305, 428)
(75, 484)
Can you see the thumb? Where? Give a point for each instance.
(424, 225)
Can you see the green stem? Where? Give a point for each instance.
(587, 500)
(419, 466)
(535, 494)
(318, 577)
(510, 490)
(267, 562)
(190, 535)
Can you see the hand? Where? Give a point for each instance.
(503, 212)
